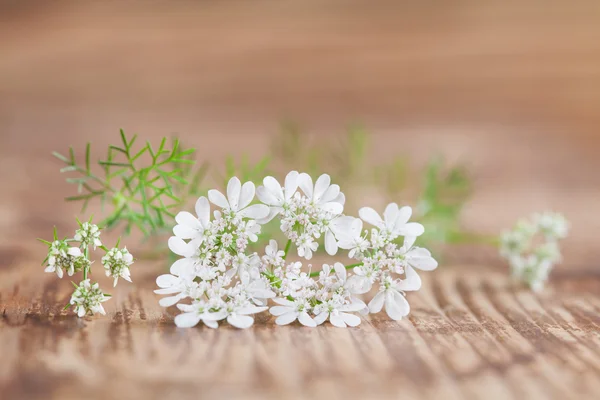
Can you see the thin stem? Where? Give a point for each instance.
(316, 273)
(287, 248)
(85, 269)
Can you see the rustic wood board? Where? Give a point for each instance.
(471, 334)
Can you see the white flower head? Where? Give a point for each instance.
(190, 227)
(238, 200)
(88, 298)
(323, 194)
(394, 221)
(531, 247)
(61, 257)
(116, 263)
(275, 196)
(88, 234)
(289, 311)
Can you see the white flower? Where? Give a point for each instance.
(196, 312)
(352, 240)
(416, 257)
(395, 220)
(289, 311)
(88, 234)
(179, 286)
(61, 256)
(306, 246)
(238, 200)
(88, 298)
(240, 316)
(339, 314)
(390, 294)
(325, 196)
(190, 227)
(116, 263)
(336, 230)
(552, 225)
(276, 197)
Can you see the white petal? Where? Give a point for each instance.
(203, 210)
(332, 207)
(370, 216)
(350, 319)
(330, 243)
(340, 199)
(218, 198)
(250, 310)
(306, 184)
(240, 321)
(187, 219)
(182, 266)
(376, 303)
(265, 196)
(273, 211)
(321, 186)
(255, 211)
(337, 320)
(185, 232)
(279, 310)
(234, 187)
(291, 184)
(306, 320)
(410, 229)
(283, 302)
(246, 195)
(80, 311)
(187, 320)
(390, 215)
(412, 281)
(179, 247)
(421, 258)
(210, 323)
(340, 271)
(169, 301)
(74, 251)
(409, 241)
(330, 194)
(274, 188)
(396, 305)
(286, 318)
(59, 272)
(404, 215)
(320, 318)
(166, 281)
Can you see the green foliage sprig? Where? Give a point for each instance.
(141, 185)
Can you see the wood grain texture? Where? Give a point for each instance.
(470, 334)
(511, 88)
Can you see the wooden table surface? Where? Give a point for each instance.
(511, 88)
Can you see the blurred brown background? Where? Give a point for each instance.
(509, 88)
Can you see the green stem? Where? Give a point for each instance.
(316, 273)
(287, 248)
(85, 269)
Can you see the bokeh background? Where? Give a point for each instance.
(509, 89)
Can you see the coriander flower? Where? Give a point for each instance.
(238, 200)
(275, 196)
(241, 316)
(289, 311)
(196, 312)
(323, 194)
(88, 235)
(394, 222)
(190, 227)
(116, 263)
(352, 240)
(62, 256)
(391, 295)
(339, 314)
(88, 299)
(531, 247)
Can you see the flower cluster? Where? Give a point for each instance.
(531, 248)
(225, 281)
(222, 280)
(63, 256)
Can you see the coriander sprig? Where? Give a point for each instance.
(140, 185)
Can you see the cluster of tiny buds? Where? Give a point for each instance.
(531, 247)
(73, 255)
(222, 280)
